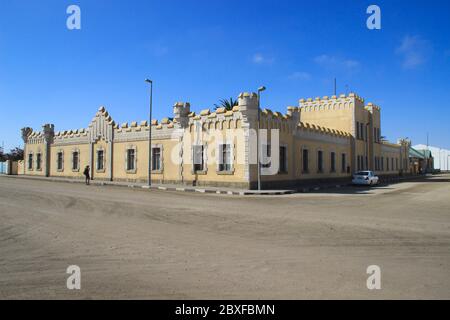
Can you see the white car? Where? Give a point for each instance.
(365, 178)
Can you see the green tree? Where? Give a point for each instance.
(15, 154)
(227, 104)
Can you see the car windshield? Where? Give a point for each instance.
(363, 173)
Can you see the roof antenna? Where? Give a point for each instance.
(335, 86)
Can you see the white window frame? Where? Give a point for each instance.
(38, 168)
(77, 169)
(103, 170)
(58, 169)
(219, 157)
(134, 169)
(308, 169)
(286, 161)
(161, 158)
(344, 164)
(30, 163)
(335, 161)
(317, 161)
(265, 155)
(205, 159)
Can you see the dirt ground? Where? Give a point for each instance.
(140, 244)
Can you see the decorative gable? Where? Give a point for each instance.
(101, 127)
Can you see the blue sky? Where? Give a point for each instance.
(202, 51)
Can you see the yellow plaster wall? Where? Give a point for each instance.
(35, 149)
(67, 171)
(169, 170)
(214, 133)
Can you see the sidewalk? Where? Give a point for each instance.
(222, 190)
(165, 187)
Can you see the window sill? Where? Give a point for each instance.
(200, 173)
(59, 170)
(75, 170)
(157, 171)
(131, 171)
(100, 171)
(225, 173)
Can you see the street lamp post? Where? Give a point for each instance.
(260, 89)
(150, 134)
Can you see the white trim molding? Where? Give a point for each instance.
(161, 158)
(134, 169)
(77, 169)
(58, 152)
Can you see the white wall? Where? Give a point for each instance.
(441, 156)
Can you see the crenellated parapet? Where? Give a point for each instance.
(294, 114)
(69, 137)
(390, 144)
(181, 111)
(34, 137)
(26, 132)
(307, 131)
(372, 107)
(276, 120)
(30, 136)
(405, 142)
(248, 106)
(136, 131)
(342, 102)
(219, 119)
(322, 130)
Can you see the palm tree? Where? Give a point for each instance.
(227, 104)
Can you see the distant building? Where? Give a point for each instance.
(421, 161)
(441, 156)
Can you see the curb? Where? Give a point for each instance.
(214, 191)
(162, 188)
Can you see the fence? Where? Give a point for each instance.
(9, 167)
(4, 167)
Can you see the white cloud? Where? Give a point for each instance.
(414, 50)
(334, 62)
(300, 76)
(259, 58)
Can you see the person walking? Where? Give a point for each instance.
(87, 175)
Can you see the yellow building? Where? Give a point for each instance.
(325, 138)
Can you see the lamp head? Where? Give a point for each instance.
(260, 89)
(148, 80)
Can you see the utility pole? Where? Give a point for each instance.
(150, 133)
(3, 154)
(335, 86)
(260, 89)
